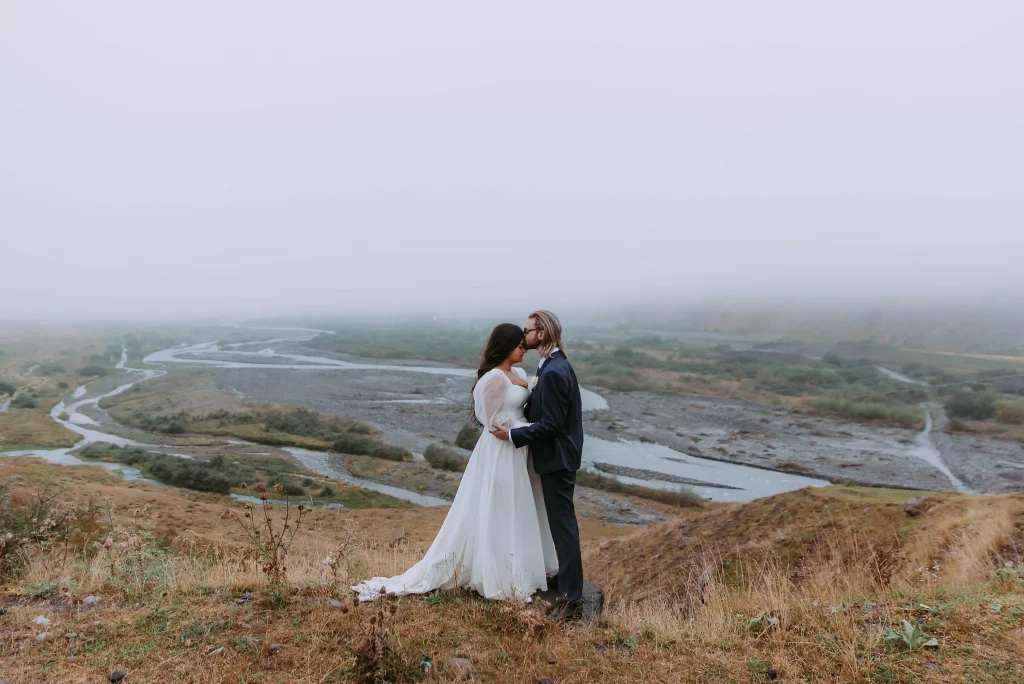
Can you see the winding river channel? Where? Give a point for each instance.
(711, 479)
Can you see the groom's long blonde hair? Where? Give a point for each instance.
(552, 327)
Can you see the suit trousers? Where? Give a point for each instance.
(558, 490)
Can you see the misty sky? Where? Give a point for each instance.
(261, 157)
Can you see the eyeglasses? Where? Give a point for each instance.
(530, 330)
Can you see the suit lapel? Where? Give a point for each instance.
(540, 372)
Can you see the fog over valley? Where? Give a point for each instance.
(456, 160)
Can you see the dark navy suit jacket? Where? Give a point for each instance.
(555, 410)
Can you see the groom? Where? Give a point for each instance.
(555, 439)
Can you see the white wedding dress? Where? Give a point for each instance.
(495, 538)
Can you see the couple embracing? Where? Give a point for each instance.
(512, 530)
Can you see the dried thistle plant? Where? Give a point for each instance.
(41, 528)
(134, 558)
(376, 657)
(343, 560)
(271, 535)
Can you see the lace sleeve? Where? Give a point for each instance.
(489, 398)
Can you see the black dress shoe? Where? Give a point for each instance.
(566, 611)
(555, 605)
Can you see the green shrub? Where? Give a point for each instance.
(444, 459)
(7, 388)
(293, 489)
(196, 475)
(971, 405)
(94, 371)
(468, 437)
(311, 424)
(176, 424)
(359, 445)
(24, 401)
(390, 452)
(204, 476)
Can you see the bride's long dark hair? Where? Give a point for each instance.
(503, 340)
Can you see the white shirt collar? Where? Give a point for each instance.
(542, 359)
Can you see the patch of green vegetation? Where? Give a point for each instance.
(390, 452)
(673, 497)
(225, 475)
(359, 445)
(51, 369)
(972, 405)
(93, 371)
(901, 414)
(445, 459)
(468, 436)
(298, 427)
(7, 388)
(24, 401)
(202, 476)
(175, 424)
(311, 424)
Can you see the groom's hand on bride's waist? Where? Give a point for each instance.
(499, 431)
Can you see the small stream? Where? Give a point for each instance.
(923, 447)
(900, 377)
(926, 450)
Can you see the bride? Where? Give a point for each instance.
(495, 539)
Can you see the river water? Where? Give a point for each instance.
(734, 482)
(925, 449)
(737, 482)
(900, 377)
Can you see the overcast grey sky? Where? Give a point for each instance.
(257, 157)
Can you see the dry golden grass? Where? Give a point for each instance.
(992, 428)
(824, 571)
(32, 429)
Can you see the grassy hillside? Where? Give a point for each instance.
(799, 587)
